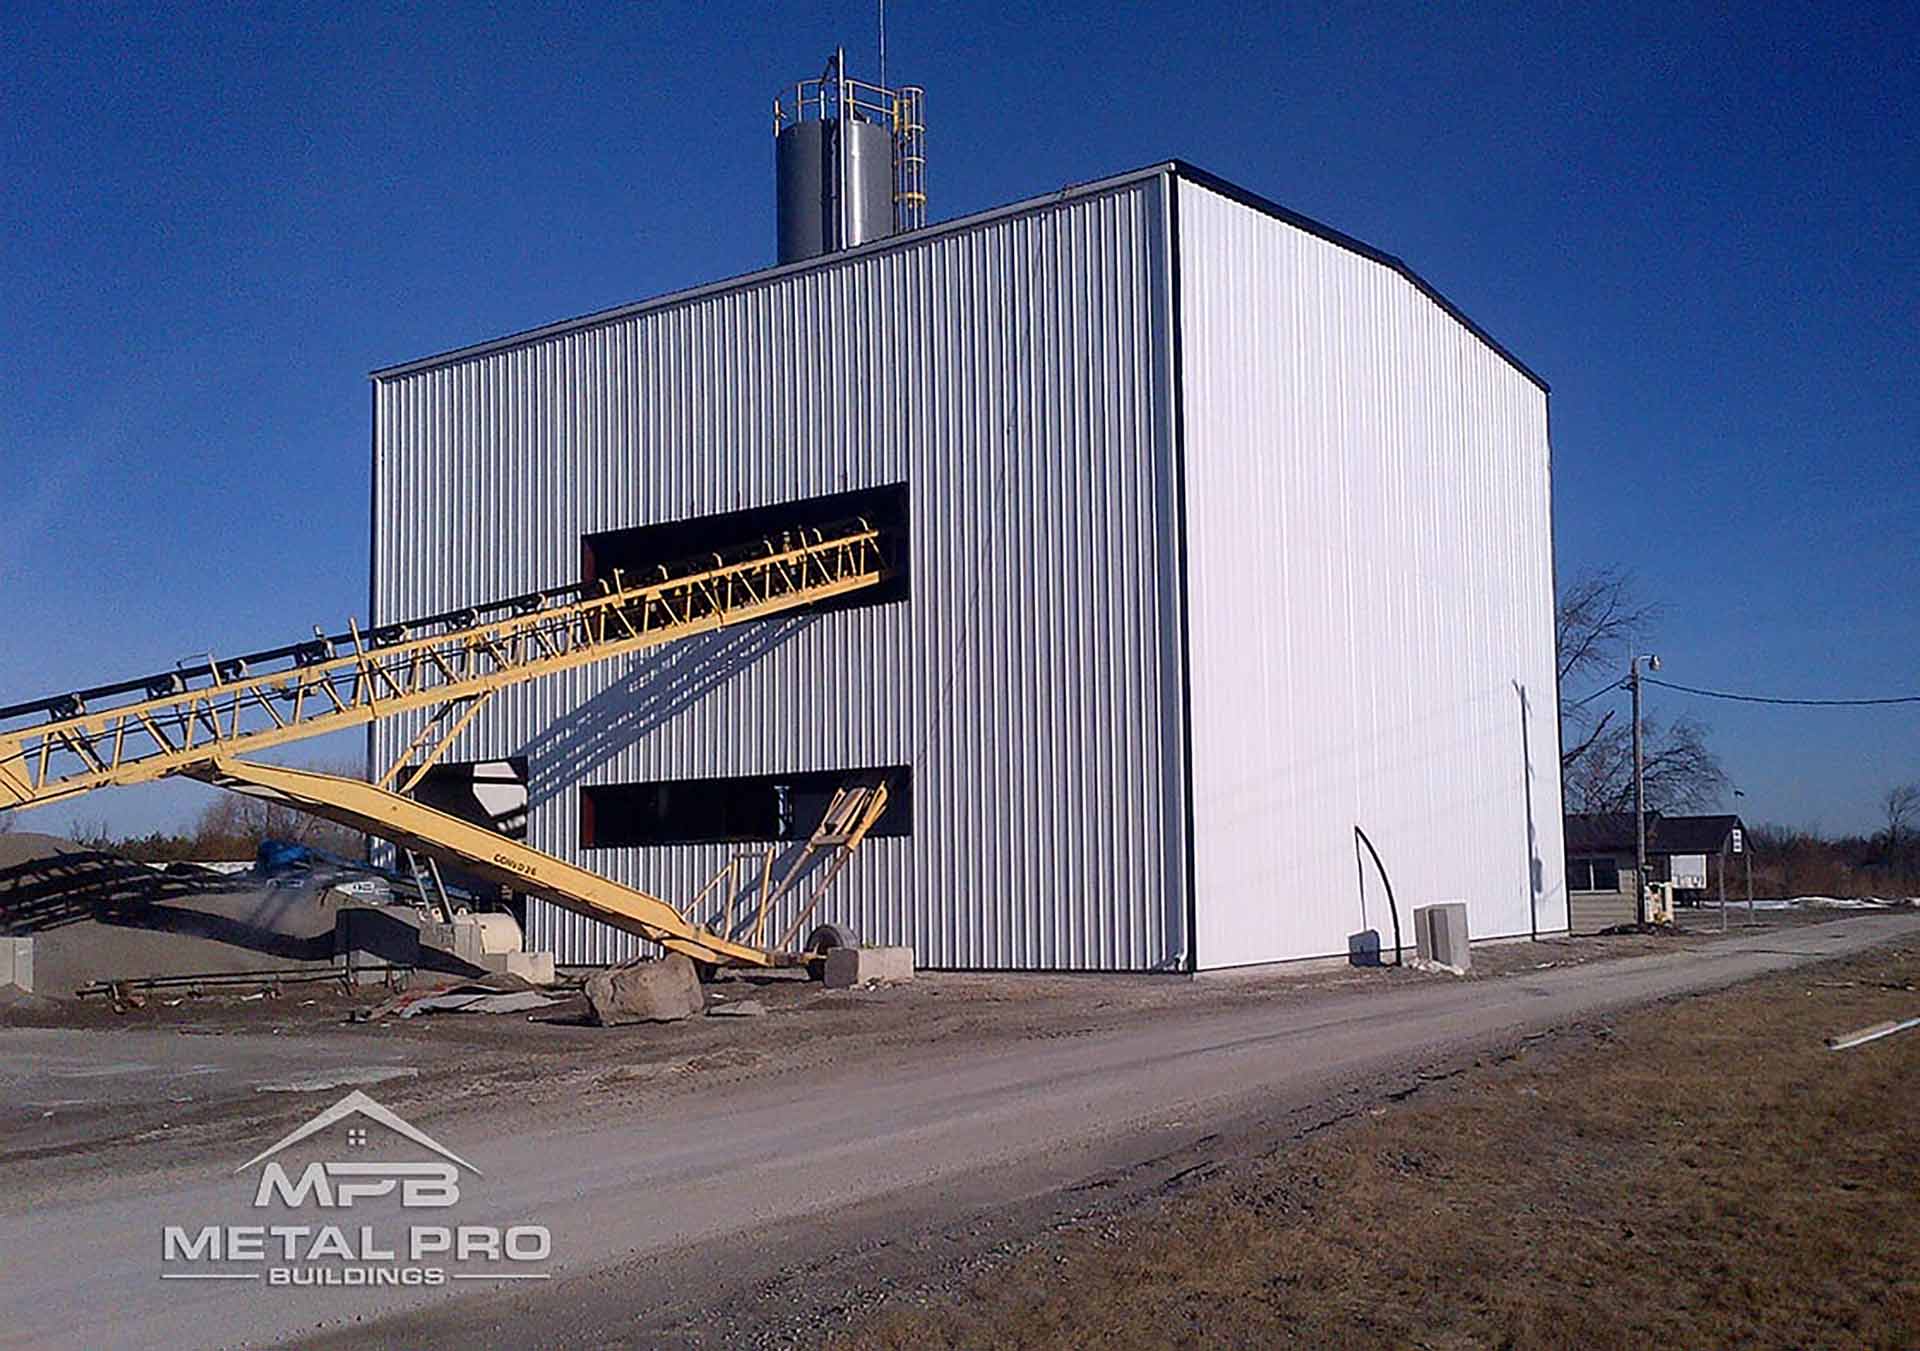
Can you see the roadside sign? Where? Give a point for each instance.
(1739, 840)
(1688, 871)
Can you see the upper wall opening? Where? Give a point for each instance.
(639, 549)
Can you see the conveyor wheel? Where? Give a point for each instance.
(823, 938)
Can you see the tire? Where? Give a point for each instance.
(827, 936)
(823, 938)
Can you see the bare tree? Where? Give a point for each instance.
(1599, 617)
(92, 833)
(1786, 856)
(234, 825)
(1682, 773)
(1902, 806)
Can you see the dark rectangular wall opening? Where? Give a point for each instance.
(760, 808)
(490, 793)
(640, 549)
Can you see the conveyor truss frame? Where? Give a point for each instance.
(197, 720)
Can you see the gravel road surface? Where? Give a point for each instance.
(660, 1209)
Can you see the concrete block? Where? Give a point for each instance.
(464, 940)
(373, 937)
(856, 966)
(374, 934)
(536, 968)
(1440, 935)
(16, 963)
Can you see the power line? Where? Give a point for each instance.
(1801, 703)
(1604, 689)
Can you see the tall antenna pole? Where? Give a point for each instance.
(883, 44)
(843, 145)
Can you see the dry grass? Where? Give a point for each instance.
(1705, 1174)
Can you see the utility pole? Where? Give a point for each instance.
(1639, 789)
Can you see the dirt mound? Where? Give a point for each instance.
(24, 846)
(20, 1008)
(94, 915)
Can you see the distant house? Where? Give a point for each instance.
(1686, 850)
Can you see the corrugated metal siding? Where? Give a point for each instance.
(1017, 376)
(1371, 597)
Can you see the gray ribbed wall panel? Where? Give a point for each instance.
(1016, 373)
(1368, 507)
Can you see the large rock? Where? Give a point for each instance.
(645, 992)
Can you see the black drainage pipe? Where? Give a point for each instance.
(1392, 908)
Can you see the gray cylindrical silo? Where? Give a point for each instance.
(807, 172)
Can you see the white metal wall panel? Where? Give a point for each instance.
(1016, 373)
(1370, 590)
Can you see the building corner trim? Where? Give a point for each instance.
(1179, 448)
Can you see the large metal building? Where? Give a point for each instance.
(1226, 540)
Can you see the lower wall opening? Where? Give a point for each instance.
(750, 809)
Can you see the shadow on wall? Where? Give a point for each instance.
(790, 876)
(659, 688)
(1536, 869)
(1364, 948)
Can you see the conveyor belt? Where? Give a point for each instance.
(159, 725)
(194, 721)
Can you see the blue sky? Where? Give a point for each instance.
(1696, 223)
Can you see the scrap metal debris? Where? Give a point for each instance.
(745, 1008)
(348, 1078)
(478, 1001)
(458, 999)
(1866, 1034)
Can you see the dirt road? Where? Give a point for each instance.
(662, 1215)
